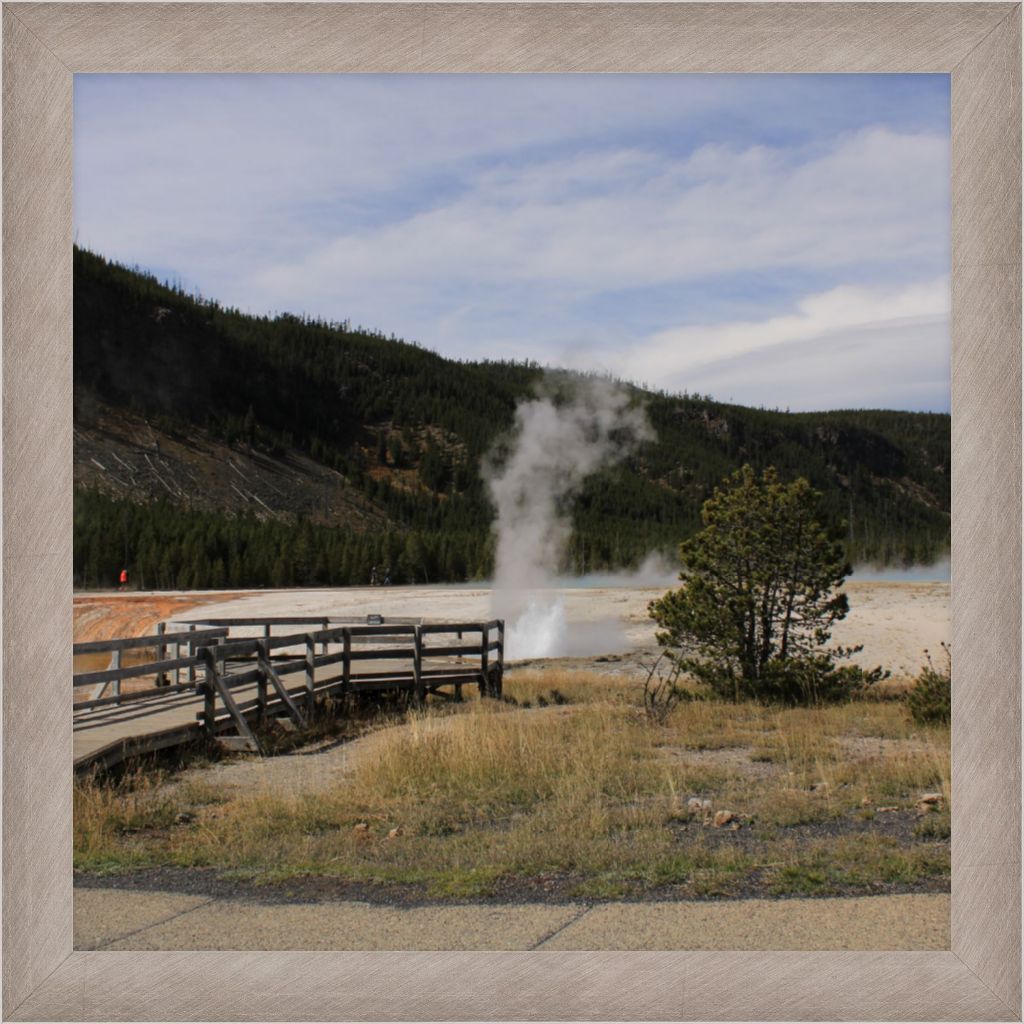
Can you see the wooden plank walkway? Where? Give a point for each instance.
(152, 724)
(236, 681)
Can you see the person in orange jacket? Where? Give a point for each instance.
(124, 580)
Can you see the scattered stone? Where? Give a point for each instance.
(735, 826)
(395, 832)
(694, 805)
(723, 818)
(886, 810)
(361, 829)
(185, 818)
(930, 798)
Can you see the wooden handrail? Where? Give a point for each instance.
(149, 668)
(302, 620)
(158, 639)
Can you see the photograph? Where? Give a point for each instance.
(512, 512)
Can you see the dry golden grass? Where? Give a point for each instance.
(579, 687)
(457, 799)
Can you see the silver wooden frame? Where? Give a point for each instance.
(44, 44)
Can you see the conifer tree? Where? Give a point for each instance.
(760, 595)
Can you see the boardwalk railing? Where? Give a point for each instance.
(191, 640)
(242, 682)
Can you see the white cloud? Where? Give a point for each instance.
(850, 346)
(676, 351)
(629, 219)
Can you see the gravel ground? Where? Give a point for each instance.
(208, 883)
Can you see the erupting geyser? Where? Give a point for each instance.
(554, 447)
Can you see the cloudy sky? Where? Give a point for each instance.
(773, 240)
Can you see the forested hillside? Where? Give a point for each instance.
(214, 448)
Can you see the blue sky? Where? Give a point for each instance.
(777, 240)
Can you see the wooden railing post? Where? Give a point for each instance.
(420, 689)
(485, 688)
(209, 692)
(115, 662)
(500, 673)
(346, 664)
(323, 646)
(216, 682)
(161, 653)
(261, 680)
(310, 672)
(191, 654)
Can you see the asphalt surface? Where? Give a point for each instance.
(120, 919)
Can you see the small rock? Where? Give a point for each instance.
(735, 826)
(723, 818)
(395, 832)
(930, 798)
(884, 810)
(184, 818)
(694, 805)
(706, 806)
(361, 829)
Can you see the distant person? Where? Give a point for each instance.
(373, 577)
(387, 576)
(123, 579)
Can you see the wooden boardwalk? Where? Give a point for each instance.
(221, 685)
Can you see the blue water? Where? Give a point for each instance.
(663, 576)
(939, 572)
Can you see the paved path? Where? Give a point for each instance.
(133, 920)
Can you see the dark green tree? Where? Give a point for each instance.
(396, 450)
(760, 596)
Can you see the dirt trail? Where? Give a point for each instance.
(310, 769)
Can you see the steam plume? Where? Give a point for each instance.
(553, 448)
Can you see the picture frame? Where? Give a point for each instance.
(977, 44)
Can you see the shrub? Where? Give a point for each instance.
(929, 698)
(662, 691)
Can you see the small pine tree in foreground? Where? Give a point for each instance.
(760, 596)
